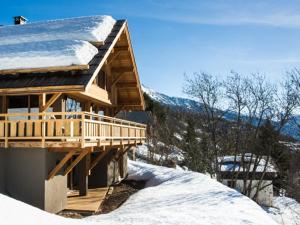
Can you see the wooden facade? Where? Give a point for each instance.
(72, 110)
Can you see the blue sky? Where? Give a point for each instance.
(171, 38)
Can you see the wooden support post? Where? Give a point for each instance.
(76, 161)
(29, 105)
(4, 104)
(42, 102)
(97, 159)
(83, 176)
(60, 164)
(46, 105)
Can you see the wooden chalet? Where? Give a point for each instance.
(59, 129)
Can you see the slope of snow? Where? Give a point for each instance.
(46, 54)
(286, 211)
(175, 153)
(171, 197)
(90, 28)
(172, 101)
(13, 212)
(180, 197)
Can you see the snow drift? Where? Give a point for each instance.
(171, 197)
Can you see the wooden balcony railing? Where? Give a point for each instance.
(67, 129)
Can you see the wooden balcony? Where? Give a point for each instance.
(67, 130)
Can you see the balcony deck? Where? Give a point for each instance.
(67, 130)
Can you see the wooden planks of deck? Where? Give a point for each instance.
(89, 203)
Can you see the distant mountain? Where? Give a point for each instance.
(184, 103)
(290, 129)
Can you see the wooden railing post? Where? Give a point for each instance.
(6, 132)
(43, 129)
(83, 130)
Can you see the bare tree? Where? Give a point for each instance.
(208, 91)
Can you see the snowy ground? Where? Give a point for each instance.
(286, 211)
(175, 154)
(171, 197)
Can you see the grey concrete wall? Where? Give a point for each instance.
(106, 172)
(24, 175)
(25, 172)
(55, 188)
(2, 178)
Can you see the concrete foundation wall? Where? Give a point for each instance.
(55, 188)
(106, 172)
(25, 173)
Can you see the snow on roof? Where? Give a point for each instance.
(171, 197)
(227, 163)
(90, 28)
(46, 54)
(52, 43)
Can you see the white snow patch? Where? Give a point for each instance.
(180, 197)
(46, 54)
(52, 43)
(175, 153)
(227, 163)
(286, 211)
(171, 197)
(90, 28)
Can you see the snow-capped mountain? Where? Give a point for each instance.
(186, 103)
(289, 129)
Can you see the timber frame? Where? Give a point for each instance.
(108, 84)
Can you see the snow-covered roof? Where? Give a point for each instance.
(46, 54)
(62, 42)
(228, 162)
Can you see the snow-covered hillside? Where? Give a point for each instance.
(290, 129)
(171, 196)
(171, 101)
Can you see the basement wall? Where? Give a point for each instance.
(25, 173)
(55, 188)
(106, 172)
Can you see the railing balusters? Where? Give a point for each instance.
(68, 126)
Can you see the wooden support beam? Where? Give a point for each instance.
(113, 57)
(42, 102)
(100, 156)
(51, 101)
(127, 85)
(45, 70)
(118, 77)
(76, 161)
(122, 48)
(122, 152)
(60, 164)
(122, 69)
